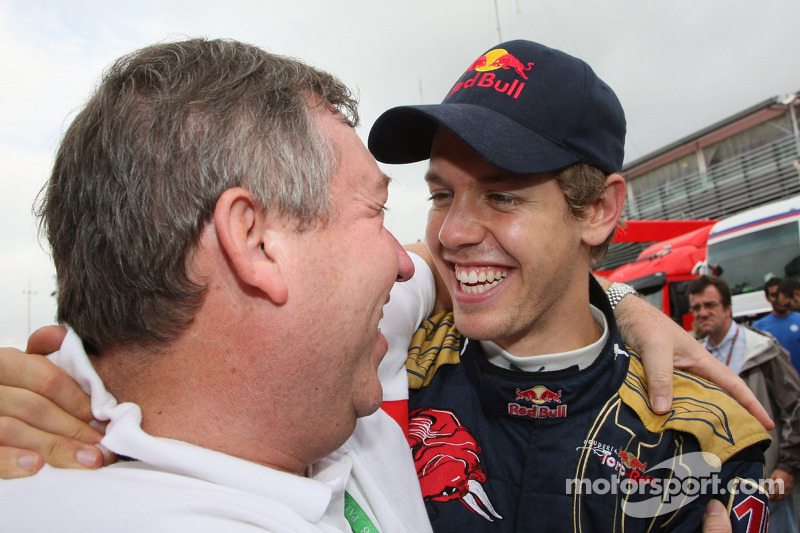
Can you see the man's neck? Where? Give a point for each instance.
(564, 323)
(781, 314)
(581, 357)
(718, 336)
(553, 335)
(182, 397)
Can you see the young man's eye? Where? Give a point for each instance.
(440, 196)
(505, 199)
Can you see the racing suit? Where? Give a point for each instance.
(577, 449)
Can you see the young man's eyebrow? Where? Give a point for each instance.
(433, 178)
(500, 177)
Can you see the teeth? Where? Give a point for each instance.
(478, 289)
(474, 282)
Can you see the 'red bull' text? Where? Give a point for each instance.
(488, 79)
(541, 411)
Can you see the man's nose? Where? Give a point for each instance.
(405, 267)
(462, 226)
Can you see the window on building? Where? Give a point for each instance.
(747, 261)
(665, 175)
(748, 140)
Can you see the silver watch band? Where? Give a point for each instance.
(617, 292)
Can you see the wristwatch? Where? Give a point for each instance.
(617, 292)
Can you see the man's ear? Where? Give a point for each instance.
(252, 241)
(605, 211)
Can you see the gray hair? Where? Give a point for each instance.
(140, 169)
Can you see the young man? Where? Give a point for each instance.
(782, 322)
(528, 410)
(765, 367)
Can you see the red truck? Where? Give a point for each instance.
(662, 271)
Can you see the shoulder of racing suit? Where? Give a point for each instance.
(721, 425)
(437, 342)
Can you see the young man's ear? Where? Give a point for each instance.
(252, 241)
(605, 211)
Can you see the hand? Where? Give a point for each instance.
(44, 415)
(656, 337)
(716, 519)
(783, 483)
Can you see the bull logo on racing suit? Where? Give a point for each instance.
(631, 462)
(539, 395)
(447, 458)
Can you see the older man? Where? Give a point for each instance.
(217, 230)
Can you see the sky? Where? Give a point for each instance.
(676, 65)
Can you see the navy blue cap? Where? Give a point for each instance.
(522, 107)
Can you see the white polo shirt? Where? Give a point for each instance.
(176, 486)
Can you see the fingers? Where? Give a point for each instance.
(20, 439)
(37, 411)
(781, 486)
(716, 519)
(658, 370)
(37, 374)
(44, 416)
(46, 340)
(16, 463)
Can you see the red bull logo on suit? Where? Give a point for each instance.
(538, 395)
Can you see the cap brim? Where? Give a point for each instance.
(405, 135)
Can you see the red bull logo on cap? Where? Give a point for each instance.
(498, 58)
(538, 395)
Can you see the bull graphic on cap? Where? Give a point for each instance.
(500, 58)
(447, 458)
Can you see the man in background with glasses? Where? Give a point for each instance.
(766, 368)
